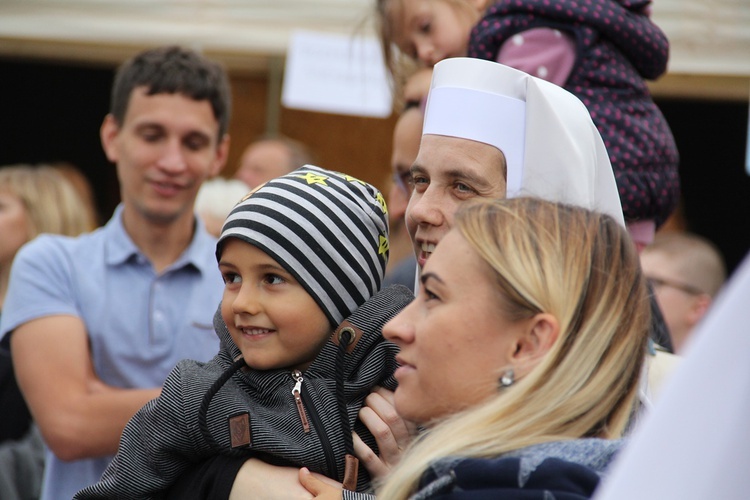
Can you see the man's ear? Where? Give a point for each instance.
(537, 339)
(222, 153)
(108, 134)
(699, 308)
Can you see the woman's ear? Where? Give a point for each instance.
(537, 339)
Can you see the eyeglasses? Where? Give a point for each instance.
(659, 282)
(403, 181)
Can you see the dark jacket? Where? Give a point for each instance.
(165, 437)
(618, 48)
(560, 470)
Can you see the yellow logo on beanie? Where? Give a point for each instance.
(380, 199)
(354, 179)
(312, 178)
(383, 248)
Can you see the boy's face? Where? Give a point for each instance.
(164, 149)
(432, 30)
(271, 317)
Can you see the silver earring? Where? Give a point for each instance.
(508, 378)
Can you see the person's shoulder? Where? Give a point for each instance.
(593, 454)
(590, 452)
(514, 477)
(660, 366)
(45, 243)
(392, 297)
(190, 379)
(192, 371)
(381, 307)
(54, 250)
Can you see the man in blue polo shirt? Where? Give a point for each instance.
(98, 321)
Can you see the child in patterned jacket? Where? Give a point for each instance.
(303, 258)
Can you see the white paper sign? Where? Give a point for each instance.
(335, 73)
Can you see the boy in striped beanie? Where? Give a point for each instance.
(303, 258)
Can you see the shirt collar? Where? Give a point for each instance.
(120, 248)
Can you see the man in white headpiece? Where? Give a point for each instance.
(493, 131)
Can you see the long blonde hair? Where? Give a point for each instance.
(582, 268)
(51, 201)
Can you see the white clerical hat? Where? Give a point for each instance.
(552, 147)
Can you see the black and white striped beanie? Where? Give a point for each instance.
(328, 229)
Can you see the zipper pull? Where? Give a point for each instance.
(297, 393)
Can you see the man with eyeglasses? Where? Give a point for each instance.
(686, 271)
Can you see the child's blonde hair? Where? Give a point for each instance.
(401, 66)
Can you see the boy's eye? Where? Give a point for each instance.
(231, 278)
(274, 279)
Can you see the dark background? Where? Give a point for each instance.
(52, 112)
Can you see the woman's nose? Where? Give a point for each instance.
(400, 329)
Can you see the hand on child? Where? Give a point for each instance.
(320, 487)
(392, 433)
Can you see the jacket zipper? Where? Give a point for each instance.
(297, 393)
(302, 399)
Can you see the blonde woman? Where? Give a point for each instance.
(521, 355)
(33, 200)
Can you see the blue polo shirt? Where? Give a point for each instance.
(140, 323)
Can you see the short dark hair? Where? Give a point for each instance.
(173, 69)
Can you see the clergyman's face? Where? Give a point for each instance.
(449, 171)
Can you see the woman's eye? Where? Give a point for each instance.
(429, 296)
